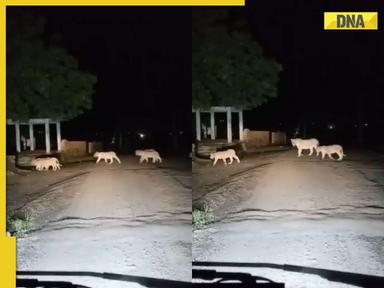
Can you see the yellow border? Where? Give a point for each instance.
(8, 244)
(126, 3)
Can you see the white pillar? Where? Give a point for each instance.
(17, 130)
(47, 137)
(198, 126)
(229, 125)
(31, 137)
(213, 136)
(58, 135)
(241, 125)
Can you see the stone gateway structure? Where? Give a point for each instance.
(31, 141)
(219, 109)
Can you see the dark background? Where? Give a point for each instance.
(329, 77)
(142, 58)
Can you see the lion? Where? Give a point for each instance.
(106, 156)
(224, 155)
(147, 154)
(329, 150)
(305, 144)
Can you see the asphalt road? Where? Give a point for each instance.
(300, 211)
(128, 219)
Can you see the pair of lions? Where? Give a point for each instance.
(144, 155)
(313, 145)
(44, 164)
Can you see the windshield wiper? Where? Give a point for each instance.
(33, 283)
(232, 279)
(144, 281)
(360, 280)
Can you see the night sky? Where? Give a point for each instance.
(141, 57)
(329, 76)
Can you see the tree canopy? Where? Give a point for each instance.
(43, 79)
(228, 66)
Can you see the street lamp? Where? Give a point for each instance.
(331, 126)
(141, 135)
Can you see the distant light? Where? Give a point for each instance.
(366, 124)
(180, 132)
(141, 135)
(331, 126)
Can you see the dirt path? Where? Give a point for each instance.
(300, 211)
(125, 219)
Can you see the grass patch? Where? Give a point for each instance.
(201, 216)
(19, 224)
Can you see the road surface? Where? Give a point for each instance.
(128, 219)
(282, 209)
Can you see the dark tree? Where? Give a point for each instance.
(43, 79)
(228, 66)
